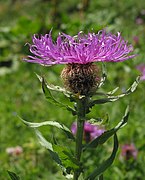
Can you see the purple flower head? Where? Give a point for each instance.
(129, 151)
(139, 21)
(90, 131)
(14, 151)
(80, 49)
(141, 68)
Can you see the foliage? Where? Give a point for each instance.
(19, 20)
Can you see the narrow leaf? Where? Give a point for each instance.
(104, 75)
(52, 100)
(54, 88)
(98, 93)
(48, 146)
(113, 91)
(106, 164)
(115, 98)
(50, 123)
(107, 134)
(13, 176)
(66, 157)
(60, 154)
(43, 141)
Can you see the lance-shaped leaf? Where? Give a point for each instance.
(104, 75)
(106, 164)
(113, 91)
(55, 88)
(60, 154)
(67, 158)
(115, 98)
(43, 141)
(52, 100)
(13, 176)
(99, 120)
(48, 146)
(106, 94)
(107, 134)
(50, 123)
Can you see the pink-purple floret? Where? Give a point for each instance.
(129, 151)
(81, 49)
(93, 131)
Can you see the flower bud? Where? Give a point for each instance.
(81, 78)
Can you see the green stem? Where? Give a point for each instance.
(81, 113)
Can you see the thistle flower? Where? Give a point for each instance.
(139, 21)
(78, 53)
(81, 49)
(129, 151)
(90, 131)
(14, 151)
(141, 68)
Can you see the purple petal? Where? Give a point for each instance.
(82, 48)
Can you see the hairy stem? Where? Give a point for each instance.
(81, 113)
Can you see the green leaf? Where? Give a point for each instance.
(115, 98)
(13, 176)
(104, 75)
(50, 123)
(81, 177)
(49, 147)
(99, 120)
(107, 134)
(113, 91)
(106, 164)
(106, 94)
(52, 100)
(55, 88)
(96, 121)
(60, 154)
(43, 141)
(66, 157)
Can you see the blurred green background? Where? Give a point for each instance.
(20, 90)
